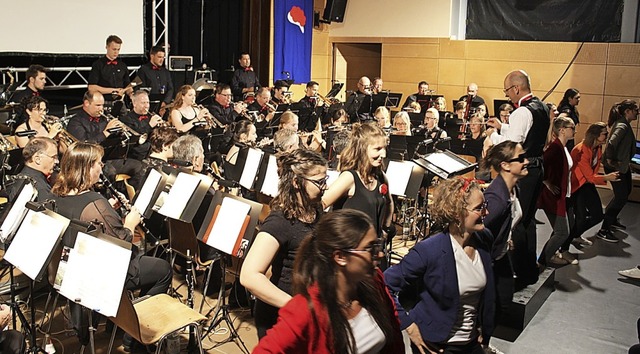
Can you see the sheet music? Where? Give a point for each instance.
(271, 179)
(228, 223)
(95, 274)
(34, 242)
(178, 198)
(398, 174)
(146, 192)
(251, 165)
(445, 162)
(18, 209)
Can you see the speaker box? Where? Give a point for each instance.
(334, 11)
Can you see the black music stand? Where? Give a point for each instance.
(184, 196)
(30, 251)
(250, 160)
(12, 217)
(267, 178)
(231, 227)
(445, 164)
(426, 101)
(205, 97)
(335, 89)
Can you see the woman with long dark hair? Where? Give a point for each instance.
(294, 213)
(341, 305)
(617, 157)
(569, 106)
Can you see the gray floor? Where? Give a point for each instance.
(593, 310)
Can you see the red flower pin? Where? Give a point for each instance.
(383, 189)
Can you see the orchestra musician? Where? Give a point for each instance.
(286, 140)
(40, 158)
(142, 121)
(430, 129)
(423, 89)
(383, 117)
(244, 79)
(472, 90)
(281, 94)
(222, 109)
(109, 75)
(356, 114)
(401, 124)
(185, 115)
(161, 148)
(310, 116)
(81, 167)
(244, 135)
(376, 85)
(265, 111)
(36, 110)
(339, 118)
(36, 78)
(505, 110)
(156, 76)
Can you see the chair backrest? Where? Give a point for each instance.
(182, 237)
(126, 318)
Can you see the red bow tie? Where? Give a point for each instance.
(112, 62)
(227, 106)
(94, 119)
(248, 68)
(36, 93)
(143, 117)
(154, 67)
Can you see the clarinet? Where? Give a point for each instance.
(124, 204)
(190, 290)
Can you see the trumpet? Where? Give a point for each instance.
(212, 121)
(63, 137)
(244, 111)
(127, 131)
(328, 101)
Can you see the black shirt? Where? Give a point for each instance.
(86, 128)
(243, 78)
(226, 115)
(354, 107)
(139, 123)
(107, 73)
(158, 79)
(475, 101)
(22, 97)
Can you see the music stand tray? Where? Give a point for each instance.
(445, 164)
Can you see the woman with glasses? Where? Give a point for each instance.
(401, 124)
(341, 304)
(457, 297)
(557, 164)
(587, 206)
(362, 184)
(617, 157)
(294, 213)
(36, 110)
(504, 211)
(80, 169)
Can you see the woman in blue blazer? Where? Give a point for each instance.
(456, 304)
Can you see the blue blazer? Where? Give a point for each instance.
(437, 308)
(499, 219)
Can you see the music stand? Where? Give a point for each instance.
(154, 183)
(426, 101)
(30, 251)
(445, 164)
(252, 159)
(268, 179)
(230, 230)
(404, 178)
(185, 195)
(335, 89)
(13, 216)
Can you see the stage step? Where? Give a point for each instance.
(525, 305)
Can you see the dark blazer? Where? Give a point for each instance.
(556, 171)
(499, 219)
(620, 146)
(435, 313)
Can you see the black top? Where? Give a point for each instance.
(86, 128)
(370, 202)
(309, 113)
(475, 101)
(22, 97)
(410, 99)
(261, 111)
(41, 183)
(537, 136)
(289, 234)
(226, 115)
(138, 122)
(107, 73)
(354, 108)
(243, 78)
(158, 79)
(571, 112)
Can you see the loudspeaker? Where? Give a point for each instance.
(334, 11)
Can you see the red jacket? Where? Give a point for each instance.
(297, 331)
(556, 171)
(582, 172)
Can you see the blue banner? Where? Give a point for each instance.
(293, 28)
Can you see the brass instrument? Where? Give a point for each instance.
(244, 112)
(212, 121)
(6, 145)
(64, 138)
(127, 131)
(328, 101)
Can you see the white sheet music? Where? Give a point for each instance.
(445, 162)
(228, 224)
(271, 179)
(95, 274)
(17, 211)
(398, 174)
(251, 165)
(178, 198)
(34, 242)
(146, 192)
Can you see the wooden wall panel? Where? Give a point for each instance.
(410, 50)
(451, 72)
(410, 70)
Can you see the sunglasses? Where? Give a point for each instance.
(519, 159)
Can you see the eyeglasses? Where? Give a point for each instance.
(519, 159)
(480, 208)
(509, 88)
(225, 94)
(43, 110)
(572, 127)
(374, 249)
(54, 156)
(320, 183)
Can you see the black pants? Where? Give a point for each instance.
(621, 191)
(151, 275)
(503, 275)
(130, 167)
(587, 211)
(524, 234)
(11, 342)
(472, 347)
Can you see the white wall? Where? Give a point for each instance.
(399, 18)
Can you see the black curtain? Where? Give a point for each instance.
(545, 20)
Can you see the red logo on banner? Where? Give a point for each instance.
(297, 17)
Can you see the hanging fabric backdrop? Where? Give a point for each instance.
(293, 28)
(545, 20)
